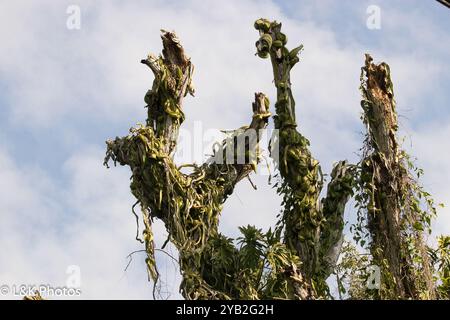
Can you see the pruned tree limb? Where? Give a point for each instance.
(307, 231)
(188, 204)
(294, 260)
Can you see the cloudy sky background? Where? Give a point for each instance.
(64, 92)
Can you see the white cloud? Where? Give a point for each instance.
(86, 223)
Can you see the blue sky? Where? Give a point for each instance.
(64, 92)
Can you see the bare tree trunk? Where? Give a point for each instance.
(387, 176)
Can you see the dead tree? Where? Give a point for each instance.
(294, 259)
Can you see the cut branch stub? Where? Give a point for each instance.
(340, 189)
(173, 80)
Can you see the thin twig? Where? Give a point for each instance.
(137, 222)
